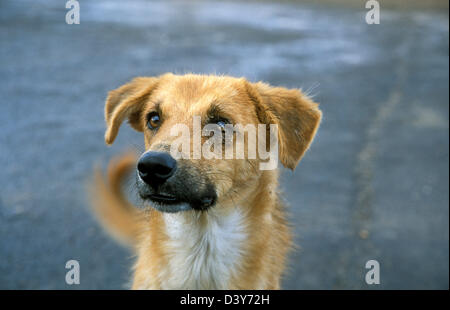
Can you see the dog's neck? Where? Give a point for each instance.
(205, 249)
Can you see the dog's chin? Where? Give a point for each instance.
(170, 208)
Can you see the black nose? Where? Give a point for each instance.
(155, 168)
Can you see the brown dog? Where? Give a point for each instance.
(215, 223)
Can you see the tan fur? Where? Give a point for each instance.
(242, 189)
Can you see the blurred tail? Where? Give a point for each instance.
(115, 213)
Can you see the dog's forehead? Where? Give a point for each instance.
(197, 93)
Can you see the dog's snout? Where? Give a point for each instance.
(156, 167)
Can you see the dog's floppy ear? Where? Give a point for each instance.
(297, 117)
(127, 102)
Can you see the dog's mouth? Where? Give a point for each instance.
(163, 199)
(170, 203)
(166, 202)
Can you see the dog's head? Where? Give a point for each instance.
(165, 107)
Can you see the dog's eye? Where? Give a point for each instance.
(153, 120)
(220, 121)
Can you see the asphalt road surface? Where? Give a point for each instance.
(374, 185)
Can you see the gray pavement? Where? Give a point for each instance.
(374, 185)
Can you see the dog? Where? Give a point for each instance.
(211, 223)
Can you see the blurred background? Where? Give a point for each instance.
(374, 185)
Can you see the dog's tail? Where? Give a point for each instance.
(117, 215)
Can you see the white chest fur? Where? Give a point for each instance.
(202, 256)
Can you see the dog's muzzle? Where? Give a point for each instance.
(170, 188)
